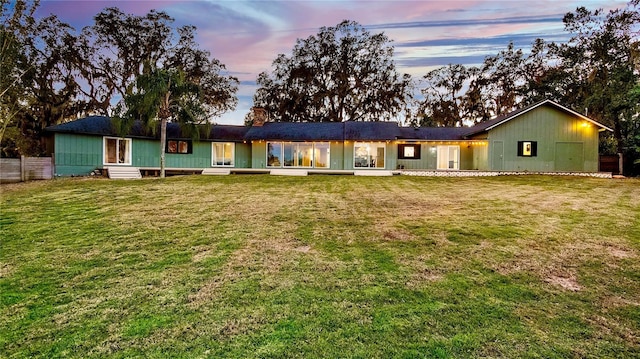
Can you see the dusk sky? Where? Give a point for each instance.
(248, 35)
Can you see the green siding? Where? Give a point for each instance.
(471, 156)
(77, 155)
(427, 161)
(258, 154)
(146, 153)
(337, 155)
(549, 127)
(243, 155)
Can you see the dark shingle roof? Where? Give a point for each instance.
(371, 131)
(433, 133)
(104, 126)
(297, 131)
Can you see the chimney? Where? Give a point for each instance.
(260, 116)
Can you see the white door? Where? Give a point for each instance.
(448, 157)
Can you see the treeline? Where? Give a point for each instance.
(51, 74)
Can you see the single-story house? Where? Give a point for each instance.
(544, 137)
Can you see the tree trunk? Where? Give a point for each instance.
(163, 144)
(617, 134)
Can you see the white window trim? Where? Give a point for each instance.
(266, 153)
(213, 154)
(104, 151)
(313, 154)
(457, 160)
(369, 154)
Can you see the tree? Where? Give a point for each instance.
(16, 24)
(343, 73)
(174, 95)
(444, 95)
(603, 60)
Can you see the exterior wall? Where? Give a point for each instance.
(146, 153)
(564, 142)
(481, 158)
(258, 154)
(471, 156)
(242, 155)
(337, 155)
(77, 155)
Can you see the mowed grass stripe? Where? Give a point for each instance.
(320, 266)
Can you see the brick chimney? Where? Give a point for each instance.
(260, 116)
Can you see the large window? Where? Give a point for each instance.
(117, 151)
(322, 155)
(274, 154)
(222, 154)
(448, 157)
(298, 154)
(368, 155)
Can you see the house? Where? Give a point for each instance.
(544, 137)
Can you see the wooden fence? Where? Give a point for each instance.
(610, 164)
(25, 169)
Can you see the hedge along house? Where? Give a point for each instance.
(544, 137)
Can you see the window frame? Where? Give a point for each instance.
(213, 154)
(295, 147)
(370, 145)
(524, 152)
(178, 142)
(416, 151)
(128, 157)
(456, 161)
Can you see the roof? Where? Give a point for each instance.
(433, 133)
(491, 124)
(105, 126)
(298, 131)
(371, 131)
(310, 131)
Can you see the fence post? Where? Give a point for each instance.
(53, 165)
(22, 170)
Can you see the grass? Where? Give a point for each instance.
(322, 266)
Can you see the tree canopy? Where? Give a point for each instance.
(65, 75)
(343, 73)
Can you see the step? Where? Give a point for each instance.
(289, 172)
(125, 172)
(372, 173)
(216, 171)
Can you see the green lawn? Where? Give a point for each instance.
(261, 266)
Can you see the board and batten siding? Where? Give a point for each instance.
(564, 142)
(470, 156)
(77, 155)
(146, 153)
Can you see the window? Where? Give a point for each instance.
(409, 152)
(448, 157)
(298, 154)
(179, 146)
(368, 155)
(321, 155)
(527, 148)
(222, 154)
(274, 154)
(117, 151)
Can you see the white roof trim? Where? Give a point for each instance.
(554, 104)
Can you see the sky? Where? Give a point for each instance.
(247, 36)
